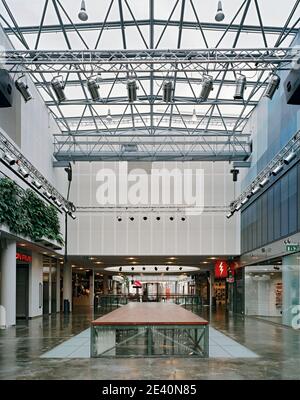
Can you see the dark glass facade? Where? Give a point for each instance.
(274, 214)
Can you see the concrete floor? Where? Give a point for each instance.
(22, 346)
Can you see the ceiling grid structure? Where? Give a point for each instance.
(151, 43)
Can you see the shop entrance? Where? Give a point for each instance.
(22, 289)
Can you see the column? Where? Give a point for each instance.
(105, 284)
(8, 284)
(92, 288)
(67, 284)
(58, 305)
(290, 290)
(35, 283)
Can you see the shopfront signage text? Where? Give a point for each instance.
(23, 257)
(291, 248)
(221, 269)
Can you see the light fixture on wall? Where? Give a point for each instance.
(132, 90)
(83, 15)
(245, 201)
(119, 219)
(22, 87)
(273, 85)
(255, 190)
(207, 87)
(157, 218)
(93, 87)
(22, 171)
(220, 14)
(72, 215)
(238, 207)
(183, 219)
(36, 183)
(228, 216)
(47, 194)
(171, 218)
(167, 91)
(131, 218)
(241, 84)
(58, 88)
(9, 159)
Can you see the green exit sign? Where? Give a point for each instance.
(292, 247)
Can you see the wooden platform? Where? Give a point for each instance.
(149, 314)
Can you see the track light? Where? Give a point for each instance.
(47, 194)
(167, 91)
(278, 169)
(157, 218)
(238, 207)
(290, 158)
(23, 89)
(264, 182)
(108, 117)
(23, 172)
(131, 218)
(36, 183)
(10, 159)
(171, 218)
(132, 90)
(72, 215)
(119, 219)
(83, 16)
(183, 219)
(120, 269)
(255, 190)
(145, 218)
(132, 268)
(58, 88)
(241, 83)
(207, 87)
(229, 215)
(180, 268)
(58, 203)
(93, 87)
(167, 269)
(220, 15)
(65, 209)
(245, 201)
(156, 269)
(273, 85)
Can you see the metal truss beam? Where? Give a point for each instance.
(123, 61)
(96, 26)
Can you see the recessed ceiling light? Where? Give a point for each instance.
(172, 258)
(81, 269)
(98, 262)
(22, 245)
(134, 262)
(130, 258)
(204, 262)
(169, 262)
(91, 258)
(213, 258)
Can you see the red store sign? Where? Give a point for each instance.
(221, 269)
(23, 257)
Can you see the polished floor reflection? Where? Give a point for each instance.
(21, 348)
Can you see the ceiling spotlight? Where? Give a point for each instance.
(194, 117)
(241, 83)
(132, 90)
(23, 172)
(157, 218)
(180, 268)
(83, 16)
(132, 268)
(245, 200)
(145, 218)
(23, 89)
(273, 85)
(36, 183)
(93, 87)
(109, 117)
(255, 189)
(58, 88)
(278, 169)
(264, 182)
(120, 269)
(171, 218)
(65, 209)
(119, 219)
(207, 87)
(167, 91)
(10, 159)
(235, 173)
(156, 269)
(289, 158)
(167, 269)
(144, 268)
(183, 219)
(131, 218)
(220, 15)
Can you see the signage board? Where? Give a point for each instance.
(292, 248)
(23, 257)
(221, 269)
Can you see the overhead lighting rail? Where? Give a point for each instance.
(282, 159)
(11, 157)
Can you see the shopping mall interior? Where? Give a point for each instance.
(150, 189)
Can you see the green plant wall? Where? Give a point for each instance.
(26, 214)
